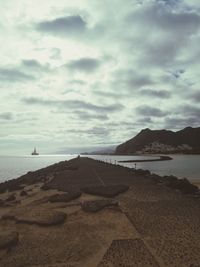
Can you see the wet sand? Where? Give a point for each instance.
(88, 213)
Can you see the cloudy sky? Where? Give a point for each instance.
(93, 73)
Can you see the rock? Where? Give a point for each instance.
(8, 239)
(11, 198)
(42, 217)
(11, 185)
(170, 179)
(105, 191)
(181, 184)
(23, 193)
(156, 178)
(97, 205)
(142, 172)
(64, 197)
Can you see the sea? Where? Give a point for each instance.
(182, 166)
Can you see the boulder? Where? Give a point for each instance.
(181, 184)
(42, 217)
(66, 197)
(142, 172)
(105, 191)
(97, 205)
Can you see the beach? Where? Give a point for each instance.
(85, 212)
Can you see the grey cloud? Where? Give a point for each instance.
(77, 82)
(32, 64)
(99, 131)
(68, 25)
(185, 115)
(84, 64)
(181, 122)
(150, 111)
(139, 81)
(14, 75)
(156, 93)
(141, 123)
(111, 94)
(144, 120)
(73, 104)
(195, 96)
(6, 116)
(90, 116)
(189, 110)
(177, 73)
(102, 131)
(168, 29)
(156, 14)
(128, 79)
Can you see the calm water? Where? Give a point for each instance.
(181, 165)
(13, 167)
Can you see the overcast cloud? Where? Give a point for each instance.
(83, 73)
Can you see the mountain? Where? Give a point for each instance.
(162, 141)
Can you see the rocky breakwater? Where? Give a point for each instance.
(84, 212)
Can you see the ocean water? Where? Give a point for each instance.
(15, 166)
(181, 166)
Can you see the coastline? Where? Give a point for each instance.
(97, 210)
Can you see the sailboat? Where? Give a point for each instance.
(34, 153)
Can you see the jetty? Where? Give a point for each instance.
(161, 158)
(88, 213)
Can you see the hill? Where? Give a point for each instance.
(163, 141)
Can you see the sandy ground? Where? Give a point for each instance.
(152, 225)
(195, 182)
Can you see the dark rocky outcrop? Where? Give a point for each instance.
(181, 184)
(105, 191)
(142, 172)
(64, 197)
(38, 216)
(97, 205)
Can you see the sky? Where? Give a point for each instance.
(87, 74)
